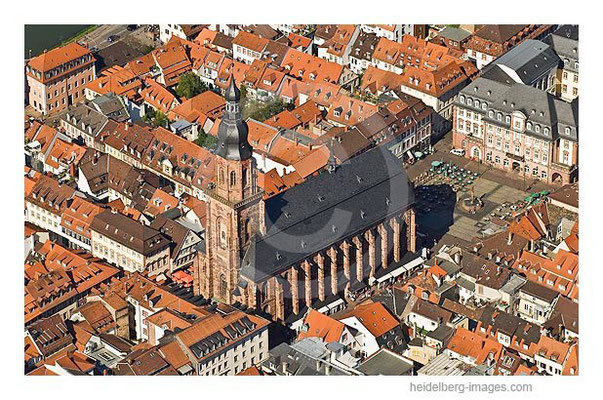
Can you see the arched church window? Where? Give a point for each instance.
(221, 176)
(246, 230)
(245, 183)
(221, 232)
(233, 178)
(222, 286)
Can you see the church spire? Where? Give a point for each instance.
(232, 132)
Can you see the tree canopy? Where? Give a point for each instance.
(206, 140)
(263, 111)
(156, 118)
(190, 85)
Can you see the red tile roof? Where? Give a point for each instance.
(310, 68)
(470, 344)
(71, 273)
(349, 111)
(54, 58)
(296, 41)
(559, 273)
(160, 202)
(205, 105)
(375, 317)
(78, 215)
(250, 41)
(158, 96)
(321, 326)
(192, 165)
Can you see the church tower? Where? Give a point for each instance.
(235, 208)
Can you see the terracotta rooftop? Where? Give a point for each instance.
(375, 317)
(54, 58)
(321, 326)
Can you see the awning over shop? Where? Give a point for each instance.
(409, 262)
(327, 309)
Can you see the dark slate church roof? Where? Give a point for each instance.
(233, 131)
(326, 209)
(529, 60)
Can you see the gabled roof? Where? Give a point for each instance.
(122, 81)
(206, 104)
(250, 41)
(49, 60)
(470, 344)
(321, 326)
(160, 202)
(310, 68)
(528, 61)
(129, 233)
(437, 83)
(211, 334)
(431, 311)
(349, 111)
(51, 195)
(498, 33)
(79, 215)
(374, 317)
(158, 96)
(566, 194)
(49, 335)
(285, 119)
(296, 41)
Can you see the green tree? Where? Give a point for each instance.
(190, 85)
(160, 119)
(156, 118)
(206, 140)
(243, 91)
(263, 111)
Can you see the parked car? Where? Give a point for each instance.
(132, 27)
(112, 38)
(458, 152)
(93, 49)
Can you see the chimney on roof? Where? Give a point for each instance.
(457, 257)
(509, 238)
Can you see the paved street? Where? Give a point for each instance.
(98, 37)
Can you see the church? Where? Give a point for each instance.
(309, 246)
